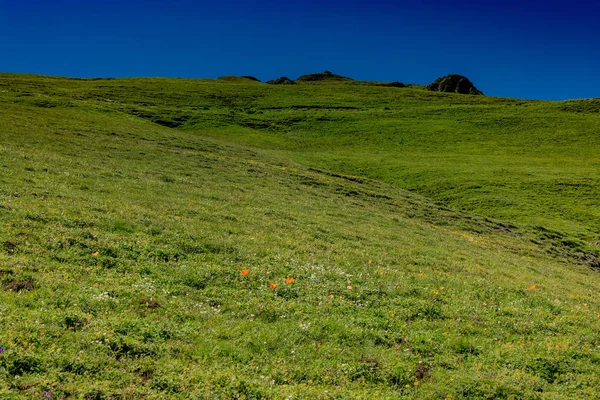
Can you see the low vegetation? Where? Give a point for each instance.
(282, 81)
(326, 76)
(171, 238)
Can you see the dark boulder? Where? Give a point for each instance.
(454, 84)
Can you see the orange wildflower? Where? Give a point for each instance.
(289, 280)
(531, 287)
(95, 254)
(244, 272)
(421, 274)
(273, 285)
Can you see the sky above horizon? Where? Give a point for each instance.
(523, 49)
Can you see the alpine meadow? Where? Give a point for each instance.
(322, 238)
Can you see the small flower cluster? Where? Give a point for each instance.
(289, 280)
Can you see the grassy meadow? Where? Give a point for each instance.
(228, 239)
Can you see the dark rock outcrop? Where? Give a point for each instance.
(282, 81)
(454, 84)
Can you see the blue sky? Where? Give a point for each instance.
(523, 49)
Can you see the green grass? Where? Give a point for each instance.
(129, 209)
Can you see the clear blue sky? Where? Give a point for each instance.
(515, 48)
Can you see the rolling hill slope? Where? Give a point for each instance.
(167, 238)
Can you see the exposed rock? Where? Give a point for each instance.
(323, 76)
(282, 81)
(454, 84)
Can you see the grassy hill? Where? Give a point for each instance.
(171, 238)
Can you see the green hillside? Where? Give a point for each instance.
(171, 238)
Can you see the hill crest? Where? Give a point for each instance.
(454, 83)
(323, 76)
